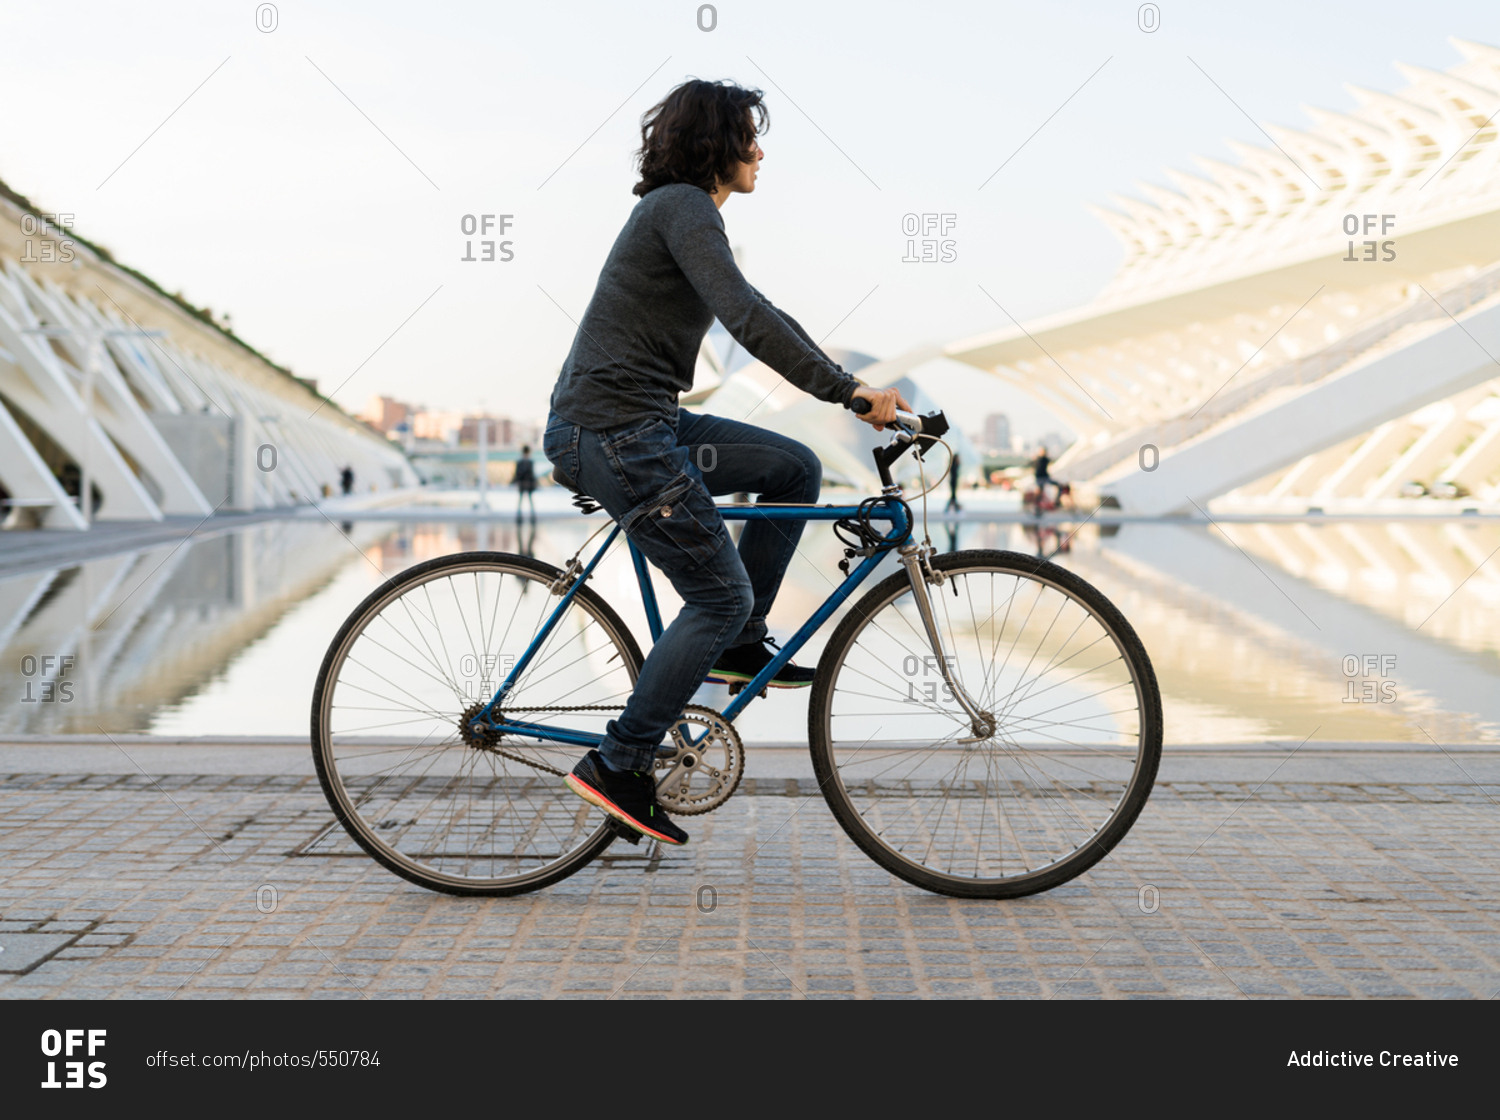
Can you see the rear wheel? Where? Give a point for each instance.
(1054, 784)
(418, 790)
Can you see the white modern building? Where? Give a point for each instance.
(1317, 325)
(732, 383)
(112, 389)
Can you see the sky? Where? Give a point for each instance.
(310, 167)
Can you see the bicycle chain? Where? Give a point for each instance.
(533, 763)
(536, 765)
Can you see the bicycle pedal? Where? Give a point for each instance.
(622, 832)
(736, 686)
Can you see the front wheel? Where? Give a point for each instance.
(1060, 777)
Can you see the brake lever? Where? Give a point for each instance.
(934, 427)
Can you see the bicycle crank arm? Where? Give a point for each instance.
(982, 723)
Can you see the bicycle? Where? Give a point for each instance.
(990, 757)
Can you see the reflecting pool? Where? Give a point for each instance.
(1354, 630)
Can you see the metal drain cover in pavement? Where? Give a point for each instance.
(21, 952)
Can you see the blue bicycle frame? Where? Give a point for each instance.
(889, 509)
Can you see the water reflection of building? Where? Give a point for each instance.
(1315, 325)
(1266, 620)
(1430, 577)
(137, 633)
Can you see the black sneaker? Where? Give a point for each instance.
(628, 796)
(740, 665)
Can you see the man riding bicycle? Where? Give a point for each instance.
(616, 432)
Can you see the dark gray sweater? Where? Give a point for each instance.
(668, 276)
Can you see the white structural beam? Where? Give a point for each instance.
(1452, 359)
(1363, 461)
(1477, 463)
(98, 388)
(1244, 286)
(1446, 425)
(30, 483)
(39, 383)
(121, 415)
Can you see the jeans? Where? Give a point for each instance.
(656, 477)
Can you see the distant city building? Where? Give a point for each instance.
(442, 426)
(414, 424)
(996, 434)
(386, 414)
(501, 432)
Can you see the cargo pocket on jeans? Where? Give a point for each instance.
(678, 528)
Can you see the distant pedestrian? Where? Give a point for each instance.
(346, 480)
(953, 487)
(525, 482)
(1043, 479)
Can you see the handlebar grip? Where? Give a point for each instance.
(859, 406)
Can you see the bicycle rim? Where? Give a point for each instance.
(435, 642)
(1072, 757)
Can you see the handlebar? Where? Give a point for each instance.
(934, 425)
(859, 406)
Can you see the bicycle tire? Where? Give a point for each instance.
(383, 826)
(1036, 813)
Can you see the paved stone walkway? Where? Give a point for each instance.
(185, 886)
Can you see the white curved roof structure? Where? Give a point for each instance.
(108, 386)
(1243, 296)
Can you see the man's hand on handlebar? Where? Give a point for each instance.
(883, 406)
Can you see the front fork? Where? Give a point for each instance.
(919, 571)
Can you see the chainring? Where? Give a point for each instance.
(699, 777)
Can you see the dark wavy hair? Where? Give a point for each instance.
(698, 134)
